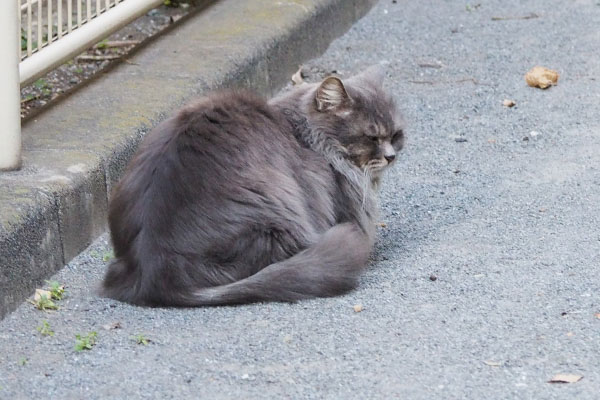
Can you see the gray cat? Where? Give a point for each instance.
(237, 200)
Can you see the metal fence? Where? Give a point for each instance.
(36, 36)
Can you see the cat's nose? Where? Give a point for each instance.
(390, 157)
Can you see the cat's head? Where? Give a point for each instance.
(362, 116)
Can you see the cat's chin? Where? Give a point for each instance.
(376, 168)
(375, 172)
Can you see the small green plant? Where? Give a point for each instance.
(108, 255)
(94, 254)
(141, 339)
(85, 342)
(45, 329)
(29, 97)
(103, 44)
(175, 3)
(22, 361)
(57, 290)
(40, 83)
(42, 301)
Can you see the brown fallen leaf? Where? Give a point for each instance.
(110, 327)
(39, 293)
(382, 224)
(541, 77)
(42, 300)
(508, 103)
(565, 378)
(436, 65)
(358, 308)
(492, 363)
(297, 77)
(528, 16)
(597, 315)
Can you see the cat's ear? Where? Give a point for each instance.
(331, 94)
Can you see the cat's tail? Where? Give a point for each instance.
(329, 267)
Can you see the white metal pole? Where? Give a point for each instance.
(10, 97)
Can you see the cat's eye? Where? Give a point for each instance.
(399, 134)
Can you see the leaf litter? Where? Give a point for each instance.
(298, 78)
(565, 378)
(541, 77)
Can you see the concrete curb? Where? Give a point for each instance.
(73, 153)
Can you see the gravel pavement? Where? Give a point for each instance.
(484, 282)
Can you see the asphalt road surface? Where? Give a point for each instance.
(484, 282)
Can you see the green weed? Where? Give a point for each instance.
(141, 339)
(45, 329)
(85, 342)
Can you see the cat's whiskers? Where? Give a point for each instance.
(367, 184)
(375, 165)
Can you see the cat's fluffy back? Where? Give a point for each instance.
(229, 158)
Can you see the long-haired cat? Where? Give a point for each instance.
(238, 200)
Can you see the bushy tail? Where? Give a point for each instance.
(329, 267)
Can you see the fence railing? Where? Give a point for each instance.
(36, 36)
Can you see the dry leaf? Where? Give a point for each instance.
(569, 334)
(508, 103)
(541, 77)
(565, 378)
(597, 315)
(297, 77)
(382, 224)
(528, 16)
(42, 300)
(492, 363)
(358, 308)
(41, 292)
(110, 327)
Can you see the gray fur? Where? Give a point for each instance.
(236, 200)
